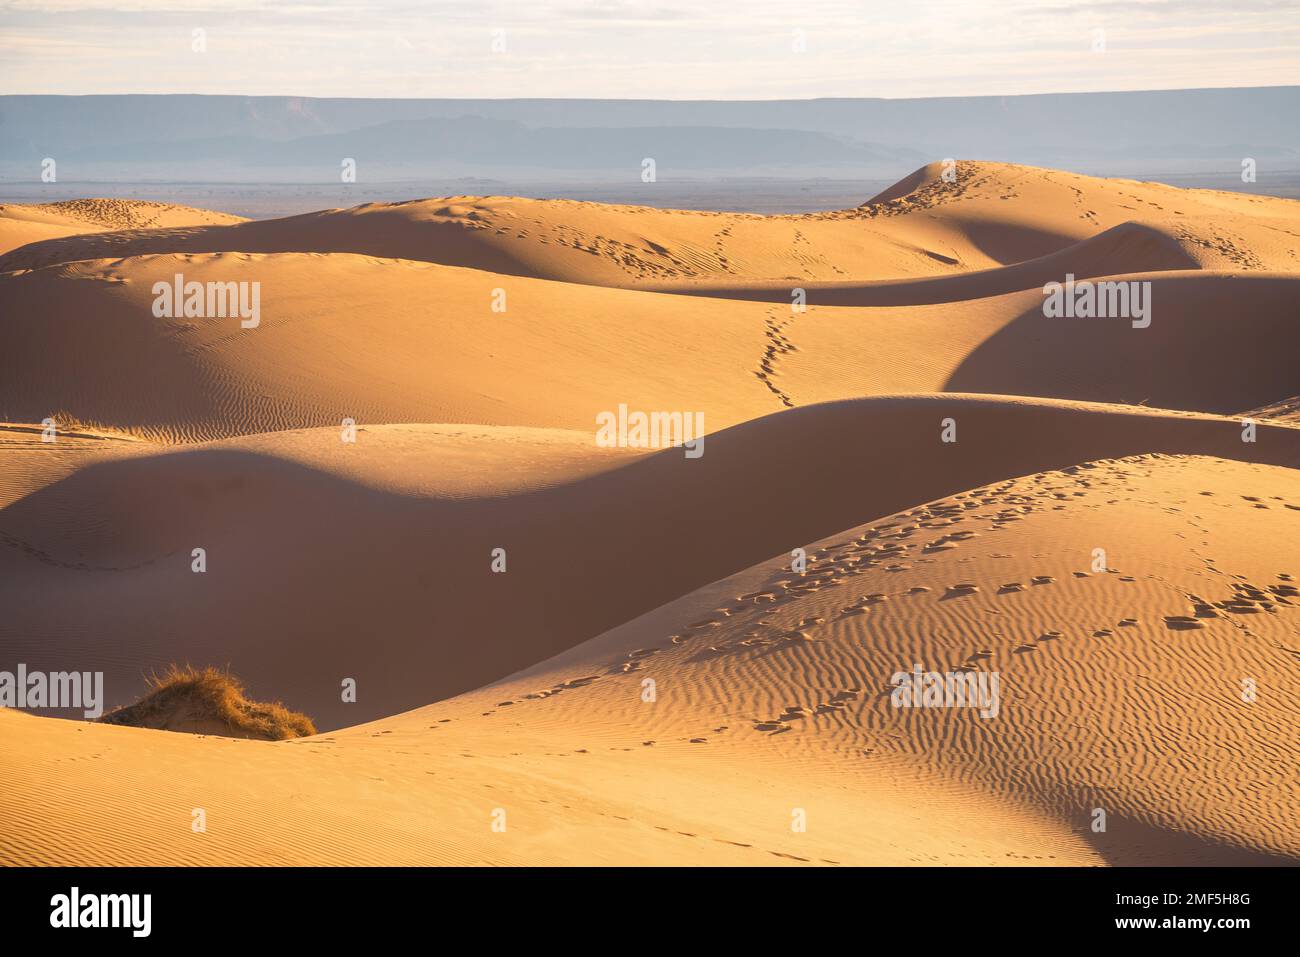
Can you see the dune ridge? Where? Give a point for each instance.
(394, 483)
(992, 214)
(770, 700)
(22, 224)
(118, 527)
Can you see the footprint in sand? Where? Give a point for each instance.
(1182, 622)
(800, 638)
(789, 857)
(1042, 580)
(1010, 587)
(863, 604)
(960, 590)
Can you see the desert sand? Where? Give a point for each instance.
(23, 224)
(654, 679)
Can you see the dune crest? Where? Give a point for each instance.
(772, 691)
(989, 215)
(374, 484)
(23, 224)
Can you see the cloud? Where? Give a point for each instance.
(643, 48)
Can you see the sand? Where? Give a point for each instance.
(505, 718)
(22, 224)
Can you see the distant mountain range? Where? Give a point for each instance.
(237, 139)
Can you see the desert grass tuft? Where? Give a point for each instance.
(199, 694)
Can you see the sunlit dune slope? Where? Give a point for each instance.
(327, 560)
(342, 336)
(569, 653)
(700, 732)
(1128, 248)
(22, 224)
(989, 215)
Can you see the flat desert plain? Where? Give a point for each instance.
(524, 643)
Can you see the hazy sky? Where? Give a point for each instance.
(644, 48)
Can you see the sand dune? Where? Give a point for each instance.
(769, 703)
(22, 224)
(1128, 248)
(593, 536)
(991, 215)
(1285, 410)
(396, 341)
(950, 458)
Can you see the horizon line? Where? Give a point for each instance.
(629, 99)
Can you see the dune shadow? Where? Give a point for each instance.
(1188, 358)
(1132, 843)
(312, 578)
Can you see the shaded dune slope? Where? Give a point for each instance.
(991, 215)
(373, 561)
(769, 700)
(284, 599)
(396, 341)
(1127, 248)
(22, 224)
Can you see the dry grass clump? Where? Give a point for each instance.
(210, 701)
(69, 424)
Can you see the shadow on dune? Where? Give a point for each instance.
(326, 231)
(312, 579)
(1127, 248)
(1216, 342)
(1132, 843)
